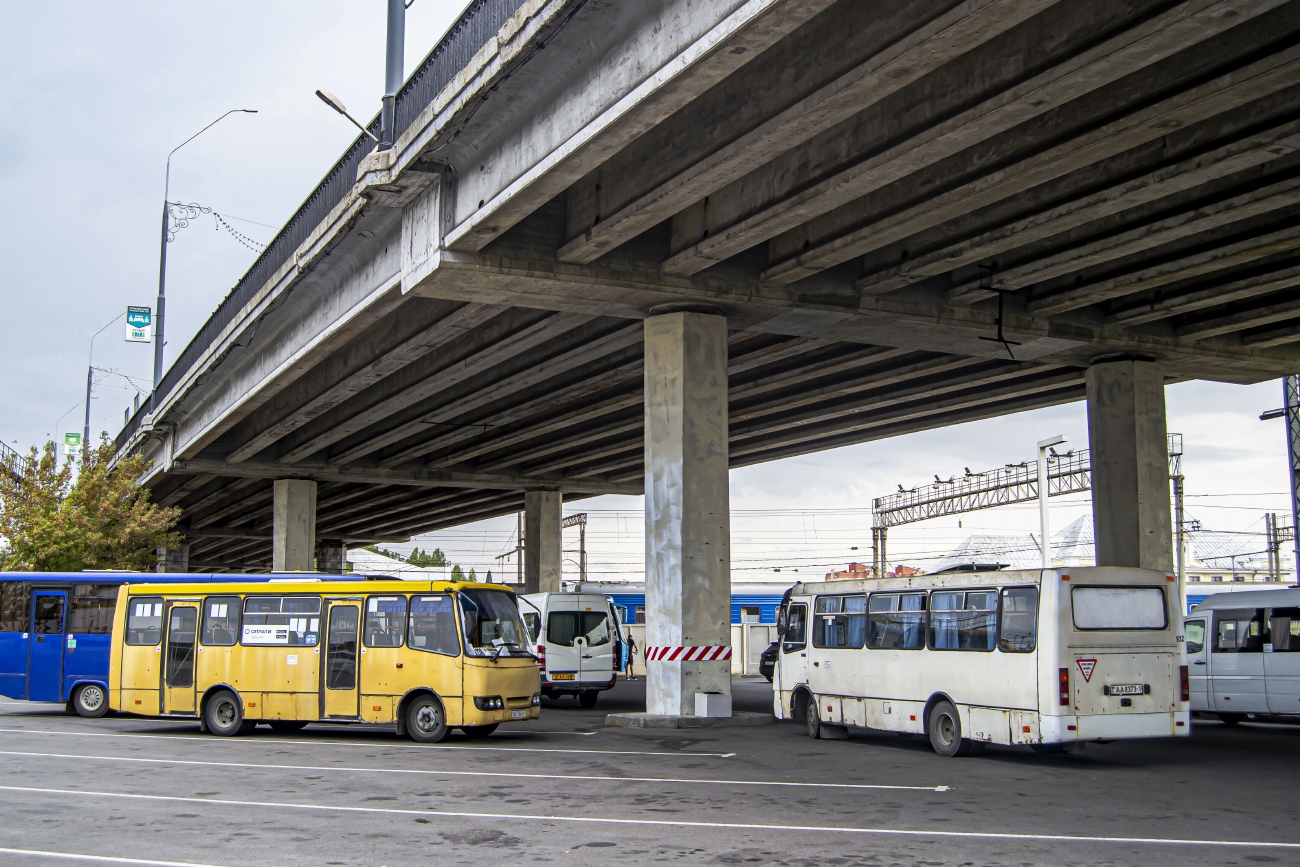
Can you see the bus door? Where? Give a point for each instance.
(178, 655)
(45, 663)
(597, 646)
(1198, 663)
(1237, 661)
(792, 667)
(340, 688)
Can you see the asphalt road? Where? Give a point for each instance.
(568, 789)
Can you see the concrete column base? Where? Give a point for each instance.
(293, 519)
(174, 559)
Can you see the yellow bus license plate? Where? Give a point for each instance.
(566, 675)
(519, 714)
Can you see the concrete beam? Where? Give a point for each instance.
(1269, 314)
(419, 478)
(293, 543)
(688, 538)
(543, 546)
(1221, 294)
(1130, 465)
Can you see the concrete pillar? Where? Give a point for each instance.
(331, 554)
(174, 559)
(542, 541)
(687, 508)
(293, 521)
(1130, 465)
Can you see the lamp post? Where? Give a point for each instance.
(1044, 526)
(90, 379)
(160, 314)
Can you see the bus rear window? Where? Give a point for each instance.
(1119, 608)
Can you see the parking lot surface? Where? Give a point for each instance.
(570, 789)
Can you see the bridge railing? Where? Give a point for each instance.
(11, 462)
(480, 21)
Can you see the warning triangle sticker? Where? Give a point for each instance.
(1086, 667)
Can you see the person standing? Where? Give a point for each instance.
(629, 650)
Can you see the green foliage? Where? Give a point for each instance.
(102, 520)
(456, 574)
(434, 559)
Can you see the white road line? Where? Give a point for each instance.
(670, 823)
(253, 741)
(101, 859)
(441, 773)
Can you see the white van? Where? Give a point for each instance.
(1243, 650)
(577, 640)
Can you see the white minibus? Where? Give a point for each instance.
(577, 640)
(1044, 658)
(1243, 650)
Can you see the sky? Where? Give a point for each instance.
(93, 96)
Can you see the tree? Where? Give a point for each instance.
(434, 558)
(103, 519)
(456, 574)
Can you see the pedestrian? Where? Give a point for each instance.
(629, 650)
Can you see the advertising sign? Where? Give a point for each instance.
(139, 325)
(71, 445)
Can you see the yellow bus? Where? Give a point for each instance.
(428, 656)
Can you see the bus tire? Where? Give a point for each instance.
(285, 726)
(588, 699)
(479, 731)
(90, 700)
(945, 731)
(224, 715)
(426, 722)
(812, 718)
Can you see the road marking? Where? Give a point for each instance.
(103, 859)
(604, 820)
(440, 773)
(208, 739)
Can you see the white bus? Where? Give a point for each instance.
(1045, 658)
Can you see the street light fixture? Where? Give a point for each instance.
(337, 104)
(159, 315)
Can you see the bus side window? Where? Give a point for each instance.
(144, 621)
(1018, 631)
(1285, 631)
(533, 622)
(91, 609)
(220, 621)
(1194, 632)
(433, 625)
(896, 621)
(385, 621)
(15, 605)
(962, 620)
(796, 628)
(1239, 631)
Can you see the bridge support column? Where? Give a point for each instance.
(1131, 517)
(331, 556)
(174, 559)
(293, 526)
(687, 511)
(542, 541)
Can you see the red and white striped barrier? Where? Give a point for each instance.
(706, 653)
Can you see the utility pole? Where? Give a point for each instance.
(1290, 411)
(518, 551)
(1044, 491)
(393, 68)
(1176, 476)
(580, 521)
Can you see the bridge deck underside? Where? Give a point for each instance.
(914, 213)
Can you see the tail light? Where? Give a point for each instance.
(541, 658)
(1184, 688)
(1065, 687)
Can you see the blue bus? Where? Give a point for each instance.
(750, 603)
(54, 632)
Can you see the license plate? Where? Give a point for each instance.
(519, 714)
(563, 675)
(1127, 689)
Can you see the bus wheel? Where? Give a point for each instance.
(945, 731)
(90, 700)
(425, 721)
(479, 731)
(224, 716)
(287, 725)
(812, 719)
(588, 699)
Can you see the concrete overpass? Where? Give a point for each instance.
(699, 235)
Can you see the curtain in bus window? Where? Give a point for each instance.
(896, 621)
(91, 611)
(341, 648)
(963, 620)
(1018, 632)
(840, 621)
(144, 621)
(855, 610)
(433, 625)
(385, 621)
(220, 621)
(1119, 608)
(281, 620)
(1239, 631)
(15, 605)
(180, 646)
(1285, 630)
(562, 628)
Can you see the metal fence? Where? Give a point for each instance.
(12, 462)
(476, 25)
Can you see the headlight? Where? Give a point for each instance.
(489, 702)
(537, 699)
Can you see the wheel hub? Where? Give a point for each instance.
(92, 697)
(426, 719)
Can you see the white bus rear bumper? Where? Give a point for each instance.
(1105, 727)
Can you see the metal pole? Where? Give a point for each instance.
(85, 430)
(1176, 465)
(519, 548)
(1044, 524)
(1291, 393)
(393, 68)
(582, 551)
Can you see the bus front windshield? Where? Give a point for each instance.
(492, 624)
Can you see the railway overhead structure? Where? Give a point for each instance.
(697, 235)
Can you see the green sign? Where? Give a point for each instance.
(72, 440)
(139, 324)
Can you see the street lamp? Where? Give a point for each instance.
(337, 104)
(90, 378)
(162, 256)
(1044, 526)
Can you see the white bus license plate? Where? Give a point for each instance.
(1127, 689)
(519, 714)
